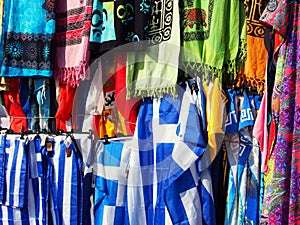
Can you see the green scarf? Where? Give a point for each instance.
(213, 37)
(154, 72)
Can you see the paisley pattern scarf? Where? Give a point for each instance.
(282, 203)
(27, 39)
(73, 23)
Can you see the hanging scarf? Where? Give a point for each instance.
(115, 23)
(212, 43)
(154, 72)
(27, 38)
(73, 23)
(283, 191)
(257, 55)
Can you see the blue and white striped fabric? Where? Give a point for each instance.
(34, 210)
(65, 182)
(2, 164)
(15, 171)
(111, 183)
(169, 141)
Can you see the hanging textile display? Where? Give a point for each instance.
(154, 173)
(254, 70)
(204, 49)
(281, 201)
(13, 106)
(73, 24)
(154, 72)
(43, 180)
(244, 174)
(27, 48)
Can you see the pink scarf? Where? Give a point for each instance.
(73, 23)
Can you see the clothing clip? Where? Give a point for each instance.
(106, 139)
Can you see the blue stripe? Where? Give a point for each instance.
(13, 174)
(23, 176)
(173, 200)
(10, 212)
(61, 172)
(75, 187)
(2, 166)
(1, 214)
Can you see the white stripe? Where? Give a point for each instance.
(18, 177)
(9, 174)
(4, 215)
(17, 217)
(168, 220)
(66, 211)
(184, 156)
(31, 202)
(110, 172)
(135, 193)
(109, 215)
(192, 205)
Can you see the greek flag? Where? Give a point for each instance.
(34, 207)
(168, 141)
(111, 183)
(15, 171)
(65, 181)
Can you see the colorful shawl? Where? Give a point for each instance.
(282, 192)
(27, 38)
(211, 42)
(257, 55)
(73, 23)
(115, 23)
(154, 72)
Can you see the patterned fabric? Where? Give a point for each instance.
(73, 24)
(27, 40)
(200, 21)
(110, 183)
(243, 156)
(51, 187)
(2, 163)
(281, 201)
(65, 182)
(142, 22)
(254, 71)
(154, 72)
(15, 172)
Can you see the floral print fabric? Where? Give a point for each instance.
(282, 202)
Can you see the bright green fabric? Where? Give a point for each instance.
(154, 72)
(219, 44)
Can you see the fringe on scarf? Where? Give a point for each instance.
(73, 74)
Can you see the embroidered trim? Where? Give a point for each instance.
(31, 51)
(49, 6)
